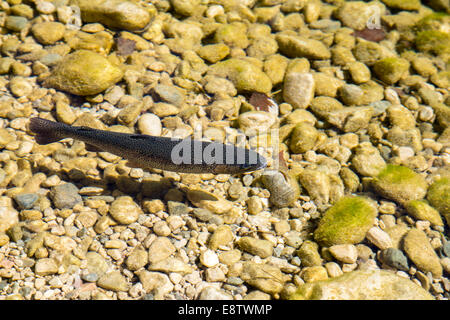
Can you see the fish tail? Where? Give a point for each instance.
(46, 131)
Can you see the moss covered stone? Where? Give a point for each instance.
(213, 52)
(403, 4)
(421, 210)
(439, 197)
(391, 70)
(303, 137)
(400, 184)
(233, 35)
(363, 285)
(309, 254)
(437, 42)
(347, 221)
(297, 47)
(121, 14)
(245, 75)
(84, 73)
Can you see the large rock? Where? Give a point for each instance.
(84, 73)
(363, 285)
(400, 184)
(119, 14)
(346, 222)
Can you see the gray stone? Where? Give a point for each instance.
(26, 200)
(395, 258)
(65, 196)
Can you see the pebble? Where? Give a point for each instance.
(96, 264)
(358, 285)
(65, 196)
(118, 14)
(20, 87)
(114, 281)
(421, 253)
(160, 249)
(367, 160)
(150, 124)
(298, 89)
(156, 283)
(309, 254)
(379, 238)
(169, 94)
(124, 210)
(284, 189)
(259, 247)
(48, 32)
(345, 253)
(169, 265)
(313, 274)
(333, 269)
(264, 277)
(137, 259)
(161, 228)
(26, 200)
(394, 258)
(45, 7)
(209, 258)
(15, 23)
(45, 267)
(255, 122)
(222, 236)
(213, 293)
(206, 200)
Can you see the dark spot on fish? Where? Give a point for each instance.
(375, 35)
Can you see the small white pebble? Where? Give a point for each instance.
(209, 258)
(346, 253)
(379, 238)
(404, 153)
(214, 10)
(175, 277)
(45, 7)
(150, 124)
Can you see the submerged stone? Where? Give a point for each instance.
(363, 285)
(347, 221)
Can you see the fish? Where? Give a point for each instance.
(145, 151)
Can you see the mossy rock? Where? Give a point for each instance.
(391, 70)
(421, 210)
(439, 197)
(434, 41)
(400, 184)
(363, 285)
(403, 4)
(347, 221)
(245, 75)
(121, 14)
(84, 73)
(435, 21)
